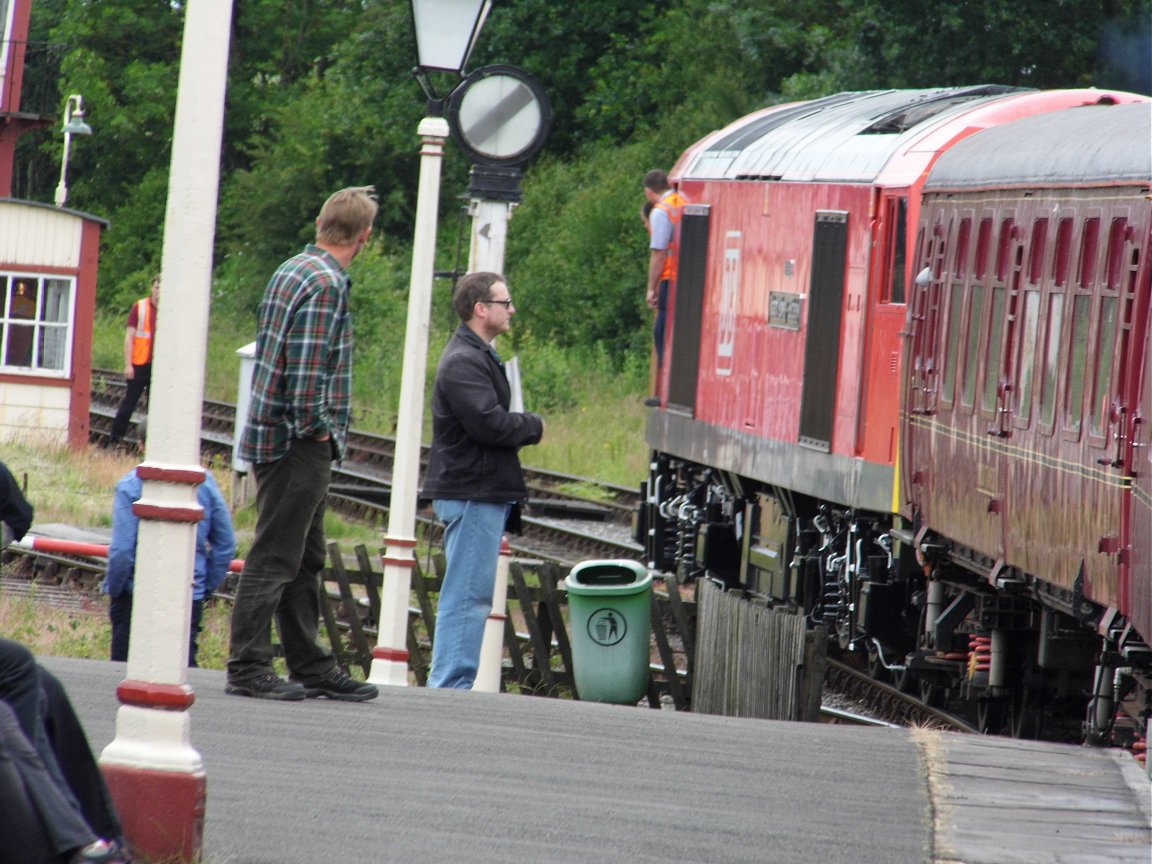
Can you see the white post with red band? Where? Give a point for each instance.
(492, 651)
(390, 656)
(156, 776)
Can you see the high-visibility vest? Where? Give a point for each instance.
(672, 204)
(145, 329)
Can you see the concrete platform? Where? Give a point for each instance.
(441, 777)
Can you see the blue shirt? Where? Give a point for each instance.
(215, 539)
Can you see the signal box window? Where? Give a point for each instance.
(35, 323)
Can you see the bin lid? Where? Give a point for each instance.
(608, 577)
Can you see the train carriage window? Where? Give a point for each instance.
(983, 237)
(1004, 249)
(897, 244)
(1105, 354)
(1089, 244)
(1077, 363)
(1026, 369)
(1052, 350)
(960, 263)
(1036, 255)
(995, 348)
(955, 328)
(1063, 251)
(972, 341)
(1117, 234)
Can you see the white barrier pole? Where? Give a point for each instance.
(390, 656)
(492, 651)
(155, 775)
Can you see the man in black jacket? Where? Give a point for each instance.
(15, 511)
(474, 477)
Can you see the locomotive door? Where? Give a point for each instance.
(920, 368)
(822, 345)
(688, 308)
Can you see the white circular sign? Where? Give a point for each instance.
(499, 114)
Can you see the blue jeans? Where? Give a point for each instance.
(472, 534)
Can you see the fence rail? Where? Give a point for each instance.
(537, 653)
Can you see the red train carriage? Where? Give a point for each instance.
(1024, 427)
(776, 447)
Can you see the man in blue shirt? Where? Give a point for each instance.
(215, 546)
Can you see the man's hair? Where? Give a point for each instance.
(471, 289)
(656, 180)
(345, 215)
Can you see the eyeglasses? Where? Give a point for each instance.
(504, 303)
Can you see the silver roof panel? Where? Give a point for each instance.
(847, 137)
(1088, 144)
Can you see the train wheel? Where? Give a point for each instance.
(932, 694)
(1024, 714)
(876, 668)
(991, 714)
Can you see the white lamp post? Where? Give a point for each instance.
(73, 125)
(446, 31)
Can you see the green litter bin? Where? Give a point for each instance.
(609, 608)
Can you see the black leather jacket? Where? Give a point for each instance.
(475, 438)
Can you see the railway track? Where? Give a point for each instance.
(568, 519)
(885, 704)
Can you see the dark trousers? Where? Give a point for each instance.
(281, 577)
(38, 822)
(137, 384)
(658, 326)
(57, 768)
(120, 614)
(77, 762)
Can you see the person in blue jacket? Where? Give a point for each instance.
(215, 546)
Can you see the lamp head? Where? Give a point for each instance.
(446, 32)
(75, 125)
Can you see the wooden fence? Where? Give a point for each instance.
(537, 653)
(754, 661)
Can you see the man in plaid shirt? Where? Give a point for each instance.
(297, 425)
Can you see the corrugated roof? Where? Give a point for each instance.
(1087, 144)
(846, 137)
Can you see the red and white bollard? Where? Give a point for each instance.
(492, 651)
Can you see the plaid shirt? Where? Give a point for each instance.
(302, 383)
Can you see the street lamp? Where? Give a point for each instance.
(73, 125)
(446, 31)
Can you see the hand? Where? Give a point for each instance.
(651, 299)
(129, 372)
